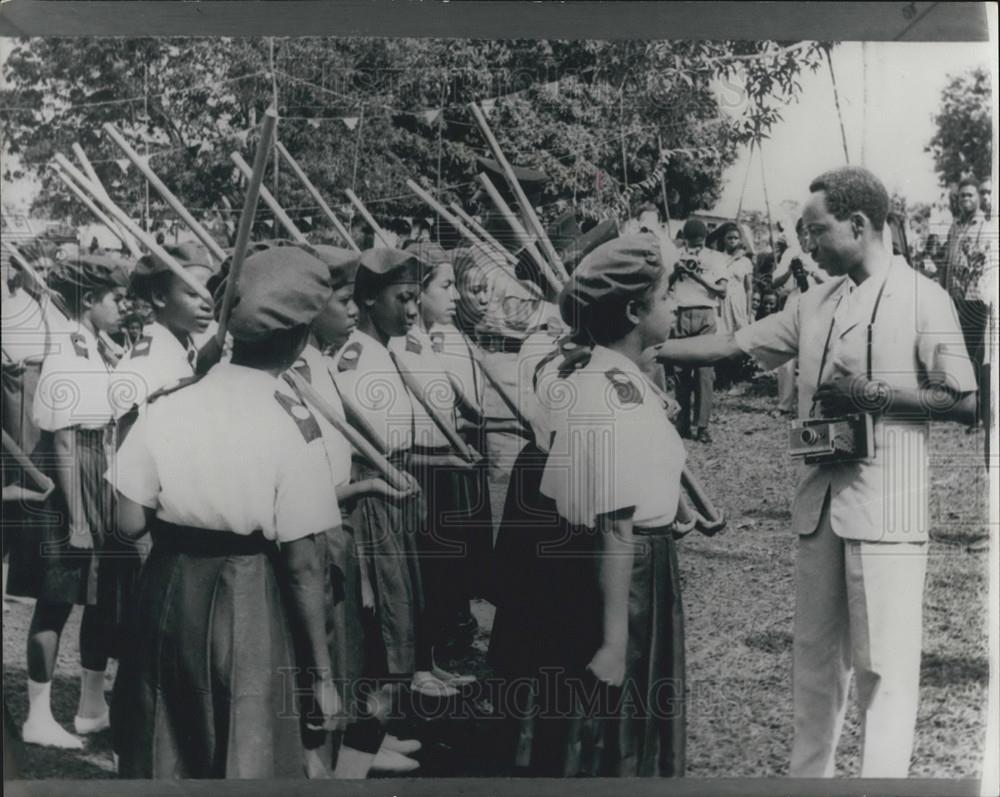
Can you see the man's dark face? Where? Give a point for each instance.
(986, 196)
(968, 199)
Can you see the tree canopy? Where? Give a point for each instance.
(962, 145)
(361, 114)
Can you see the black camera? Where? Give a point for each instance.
(822, 441)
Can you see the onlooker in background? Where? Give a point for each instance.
(795, 273)
(94, 246)
(132, 324)
(697, 281)
(968, 251)
(768, 304)
(755, 304)
(734, 307)
(986, 198)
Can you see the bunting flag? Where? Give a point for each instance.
(431, 116)
(268, 222)
(308, 220)
(350, 121)
(487, 105)
(242, 137)
(314, 123)
(123, 164)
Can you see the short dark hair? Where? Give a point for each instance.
(970, 180)
(606, 322)
(146, 286)
(850, 189)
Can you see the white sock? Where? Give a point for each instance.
(92, 704)
(39, 702)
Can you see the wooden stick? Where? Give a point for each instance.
(317, 197)
(711, 520)
(22, 262)
(522, 198)
(521, 234)
(356, 439)
(254, 189)
(499, 387)
(454, 220)
(144, 237)
(143, 165)
(417, 389)
(88, 169)
(356, 418)
(269, 199)
(360, 207)
(40, 479)
(478, 229)
(115, 229)
(44, 291)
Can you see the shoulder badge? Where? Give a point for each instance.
(299, 412)
(349, 357)
(413, 345)
(80, 345)
(555, 327)
(437, 342)
(141, 347)
(575, 356)
(626, 389)
(302, 368)
(166, 391)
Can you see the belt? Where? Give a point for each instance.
(500, 343)
(653, 531)
(696, 307)
(207, 542)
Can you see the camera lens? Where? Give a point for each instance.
(809, 436)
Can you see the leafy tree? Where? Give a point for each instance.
(566, 108)
(963, 142)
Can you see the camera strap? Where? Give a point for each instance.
(869, 337)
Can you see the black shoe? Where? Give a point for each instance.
(703, 436)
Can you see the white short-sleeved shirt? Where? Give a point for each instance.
(366, 375)
(24, 326)
(539, 356)
(73, 388)
(688, 292)
(230, 452)
(611, 444)
(157, 360)
(451, 346)
(916, 340)
(314, 367)
(415, 352)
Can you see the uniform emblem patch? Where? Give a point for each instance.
(298, 412)
(626, 389)
(349, 359)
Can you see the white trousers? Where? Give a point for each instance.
(859, 606)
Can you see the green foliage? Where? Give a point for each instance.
(186, 99)
(963, 142)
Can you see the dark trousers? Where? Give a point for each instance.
(973, 316)
(692, 322)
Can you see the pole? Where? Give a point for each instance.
(115, 229)
(836, 101)
(88, 169)
(254, 189)
(315, 194)
(274, 104)
(767, 203)
(145, 111)
(520, 234)
(360, 207)
(200, 232)
(144, 237)
(268, 197)
(663, 186)
(522, 199)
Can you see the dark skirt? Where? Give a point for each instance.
(583, 728)
(561, 721)
(344, 630)
(386, 535)
(42, 563)
(479, 572)
(445, 544)
(206, 688)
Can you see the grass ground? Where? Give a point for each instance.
(738, 596)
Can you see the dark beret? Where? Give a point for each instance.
(89, 273)
(617, 271)
(343, 263)
(280, 287)
(379, 268)
(188, 254)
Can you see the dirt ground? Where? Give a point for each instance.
(738, 600)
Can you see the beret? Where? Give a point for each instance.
(379, 268)
(619, 270)
(88, 273)
(281, 286)
(188, 254)
(431, 253)
(695, 228)
(343, 263)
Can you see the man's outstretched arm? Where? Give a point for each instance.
(700, 350)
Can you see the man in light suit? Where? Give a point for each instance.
(863, 525)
